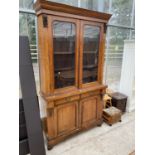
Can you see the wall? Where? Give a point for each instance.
(128, 73)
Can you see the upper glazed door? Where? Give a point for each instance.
(91, 51)
(65, 52)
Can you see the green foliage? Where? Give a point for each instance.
(122, 11)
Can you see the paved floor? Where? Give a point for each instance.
(105, 140)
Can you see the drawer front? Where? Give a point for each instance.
(91, 93)
(67, 99)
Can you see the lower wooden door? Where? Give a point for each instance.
(89, 111)
(67, 118)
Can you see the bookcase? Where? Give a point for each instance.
(71, 59)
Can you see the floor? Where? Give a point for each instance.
(105, 140)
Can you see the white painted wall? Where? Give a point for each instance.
(128, 73)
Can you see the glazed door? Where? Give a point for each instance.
(64, 52)
(91, 53)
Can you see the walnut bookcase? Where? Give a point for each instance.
(71, 58)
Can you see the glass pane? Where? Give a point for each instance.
(106, 6)
(68, 2)
(114, 55)
(121, 12)
(26, 4)
(96, 5)
(27, 27)
(90, 53)
(132, 33)
(88, 4)
(133, 22)
(64, 53)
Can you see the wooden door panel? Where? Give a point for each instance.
(67, 118)
(89, 109)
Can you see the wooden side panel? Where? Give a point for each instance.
(101, 55)
(100, 107)
(43, 57)
(89, 110)
(67, 117)
(51, 123)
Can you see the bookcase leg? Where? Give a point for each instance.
(99, 125)
(49, 147)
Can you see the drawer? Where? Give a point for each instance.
(67, 99)
(91, 93)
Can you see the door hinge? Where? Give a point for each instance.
(45, 21)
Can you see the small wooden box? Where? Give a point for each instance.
(112, 115)
(119, 101)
